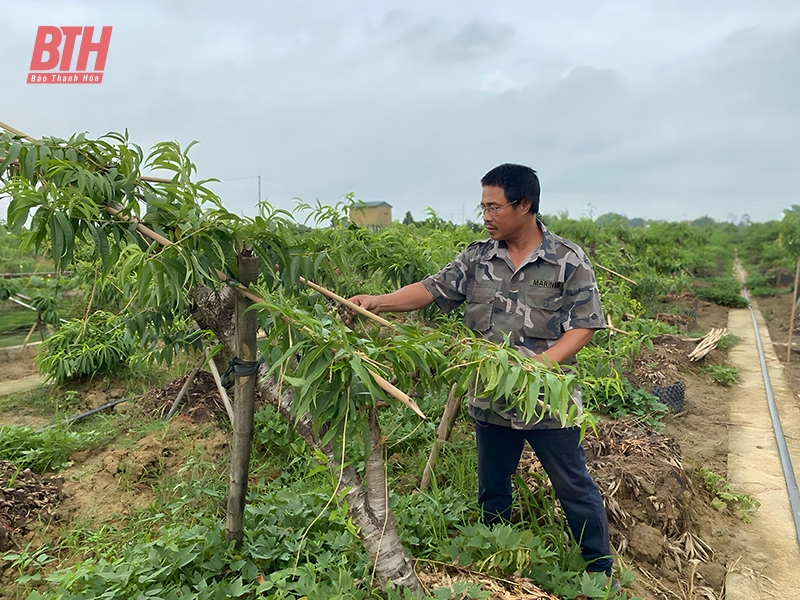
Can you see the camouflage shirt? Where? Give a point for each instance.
(554, 290)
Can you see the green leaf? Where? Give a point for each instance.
(30, 163)
(10, 157)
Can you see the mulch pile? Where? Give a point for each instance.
(660, 368)
(24, 497)
(649, 502)
(202, 403)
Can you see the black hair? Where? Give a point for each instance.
(517, 182)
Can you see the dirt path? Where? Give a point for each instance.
(770, 570)
(23, 384)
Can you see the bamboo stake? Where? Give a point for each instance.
(615, 273)
(15, 300)
(442, 435)
(243, 423)
(613, 329)
(794, 310)
(347, 303)
(185, 388)
(220, 388)
(30, 333)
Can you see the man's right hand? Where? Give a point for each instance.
(410, 297)
(370, 303)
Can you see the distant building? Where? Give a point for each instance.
(371, 213)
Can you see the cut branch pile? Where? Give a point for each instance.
(707, 343)
(435, 576)
(24, 497)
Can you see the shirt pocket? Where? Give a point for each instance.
(479, 306)
(542, 312)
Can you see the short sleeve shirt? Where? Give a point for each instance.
(554, 290)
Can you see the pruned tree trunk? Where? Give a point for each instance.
(367, 501)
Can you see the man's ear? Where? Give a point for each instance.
(525, 205)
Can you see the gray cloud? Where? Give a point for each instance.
(395, 105)
(477, 39)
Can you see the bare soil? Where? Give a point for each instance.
(110, 482)
(20, 367)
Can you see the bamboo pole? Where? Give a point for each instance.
(615, 273)
(244, 405)
(21, 303)
(442, 435)
(347, 303)
(16, 131)
(220, 388)
(165, 242)
(187, 384)
(794, 311)
(30, 333)
(615, 330)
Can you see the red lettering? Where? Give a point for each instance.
(70, 33)
(87, 46)
(43, 45)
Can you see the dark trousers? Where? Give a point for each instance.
(563, 459)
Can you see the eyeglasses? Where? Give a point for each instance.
(493, 210)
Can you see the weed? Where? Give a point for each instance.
(44, 450)
(623, 399)
(725, 497)
(728, 341)
(723, 291)
(723, 375)
(28, 563)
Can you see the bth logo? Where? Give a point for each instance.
(54, 50)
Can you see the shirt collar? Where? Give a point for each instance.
(546, 250)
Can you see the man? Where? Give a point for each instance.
(540, 290)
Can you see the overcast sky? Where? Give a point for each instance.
(664, 110)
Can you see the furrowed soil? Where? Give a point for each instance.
(662, 522)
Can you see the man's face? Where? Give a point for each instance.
(504, 221)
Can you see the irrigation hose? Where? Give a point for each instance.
(89, 412)
(783, 450)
